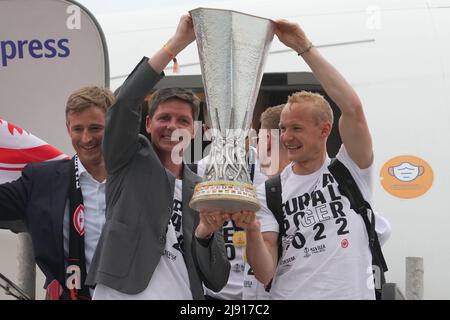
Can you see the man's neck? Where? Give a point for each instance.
(97, 171)
(308, 167)
(166, 160)
(284, 161)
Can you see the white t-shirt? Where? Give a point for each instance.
(325, 250)
(235, 254)
(253, 289)
(235, 286)
(170, 279)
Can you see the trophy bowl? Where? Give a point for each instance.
(232, 48)
(230, 196)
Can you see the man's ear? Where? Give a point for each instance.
(148, 124)
(269, 140)
(197, 125)
(68, 126)
(326, 129)
(207, 133)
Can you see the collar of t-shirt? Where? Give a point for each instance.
(290, 170)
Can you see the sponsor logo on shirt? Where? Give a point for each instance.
(314, 250)
(318, 249)
(170, 255)
(288, 260)
(238, 267)
(248, 283)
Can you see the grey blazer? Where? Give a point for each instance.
(139, 197)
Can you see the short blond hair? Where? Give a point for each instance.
(270, 118)
(87, 97)
(321, 108)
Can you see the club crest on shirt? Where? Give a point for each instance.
(78, 220)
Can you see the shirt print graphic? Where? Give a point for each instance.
(234, 249)
(310, 218)
(176, 221)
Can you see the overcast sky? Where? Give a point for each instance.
(99, 6)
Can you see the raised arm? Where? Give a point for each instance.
(124, 117)
(353, 127)
(183, 36)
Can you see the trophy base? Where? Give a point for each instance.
(226, 196)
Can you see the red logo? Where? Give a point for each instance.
(344, 243)
(54, 291)
(78, 220)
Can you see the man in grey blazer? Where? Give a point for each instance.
(153, 246)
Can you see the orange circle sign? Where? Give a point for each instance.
(406, 177)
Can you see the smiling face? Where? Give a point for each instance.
(303, 135)
(169, 116)
(86, 130)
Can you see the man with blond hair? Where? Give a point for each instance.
(325, 250)
(62, 202)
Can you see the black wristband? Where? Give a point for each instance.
(306, 50)
(204, 242)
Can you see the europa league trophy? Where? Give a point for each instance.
(232, 48)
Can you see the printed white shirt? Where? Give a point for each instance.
(325, 249)
(170, 280)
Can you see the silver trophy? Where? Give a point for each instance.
(232, 48)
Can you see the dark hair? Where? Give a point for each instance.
(185, 95)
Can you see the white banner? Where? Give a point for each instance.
(48, 49)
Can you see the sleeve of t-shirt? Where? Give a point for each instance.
(264, 215)
(259, 177)
(363, 177)
(383, 228)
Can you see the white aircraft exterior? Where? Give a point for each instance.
(396, 55)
